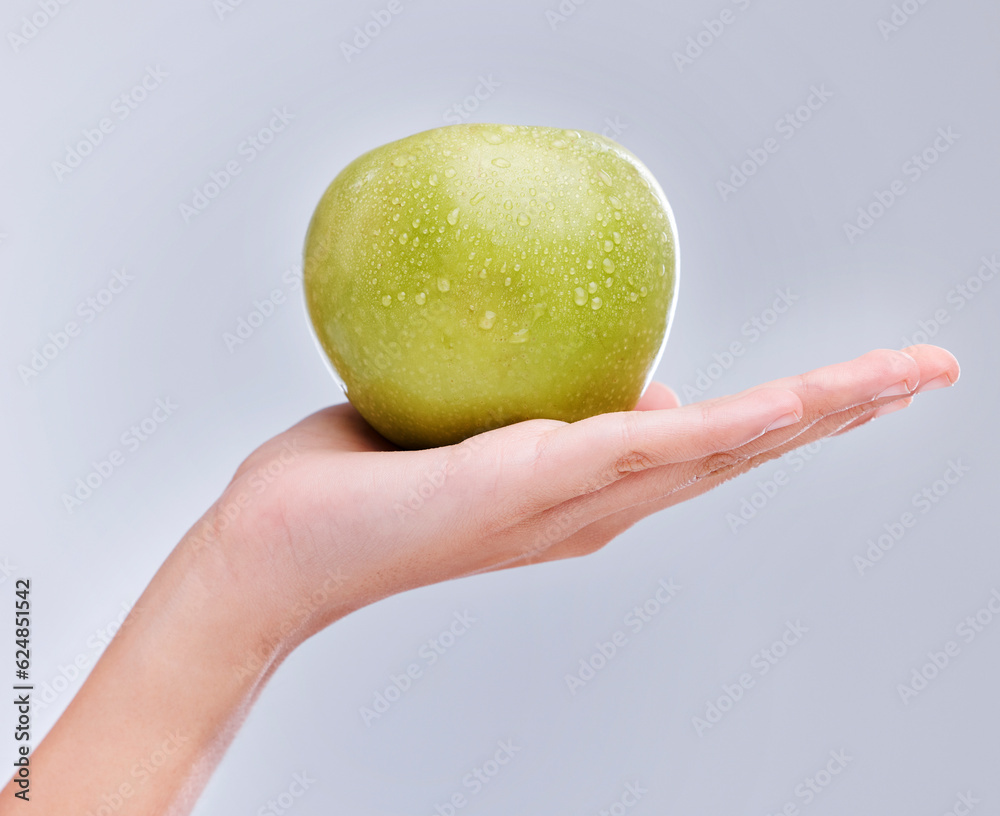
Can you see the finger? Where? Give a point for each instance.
(593, 536)
(836, 395)
(657, 397)
(662, 489)
(875, 413)
(937, 369)
(827, 377)
(577, 463)
(879, 374)
(586, 455)
(855, 388)
(864, 377)
(934, 362)
(634, 455)
(607, 463)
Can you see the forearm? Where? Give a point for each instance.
(159, 709)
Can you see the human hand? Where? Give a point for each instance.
(329, 516)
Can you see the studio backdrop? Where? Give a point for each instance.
(819, 636)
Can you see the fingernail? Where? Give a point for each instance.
(896, 390)
(892, 407)
(783, 422)
(937, 382)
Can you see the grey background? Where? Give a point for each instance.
(505, 678)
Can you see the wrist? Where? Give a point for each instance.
(269, 607)
(192, 610)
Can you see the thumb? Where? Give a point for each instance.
(658, 396)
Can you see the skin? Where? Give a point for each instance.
(491, 271)
(265, 569)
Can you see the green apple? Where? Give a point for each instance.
(477, 275)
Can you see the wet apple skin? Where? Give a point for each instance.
(473, 276)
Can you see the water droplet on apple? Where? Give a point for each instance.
(617, 236)
(524, 219)
(493, 138)
(633, 296)
(560, 144)
(520, 336)
(579, 296)
(482, 274)
(453, 216)
(421, 298)
(400, 161)
(449, 173)
(387, 300)
(443, 284)
(609, 282)
(615, 202)
(596, 303)
(608, 246)
(508, 204)
(643, 291)
(432, 179)
(549, 206)
(501, 162)
(478, 197)
(488, 320)
(591, 287)
(605, 177)
(404, 238)
(401, 296)
(609, 265)
(506, 282)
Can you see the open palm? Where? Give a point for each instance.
(330, 497)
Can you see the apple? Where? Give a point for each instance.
(477, 275)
